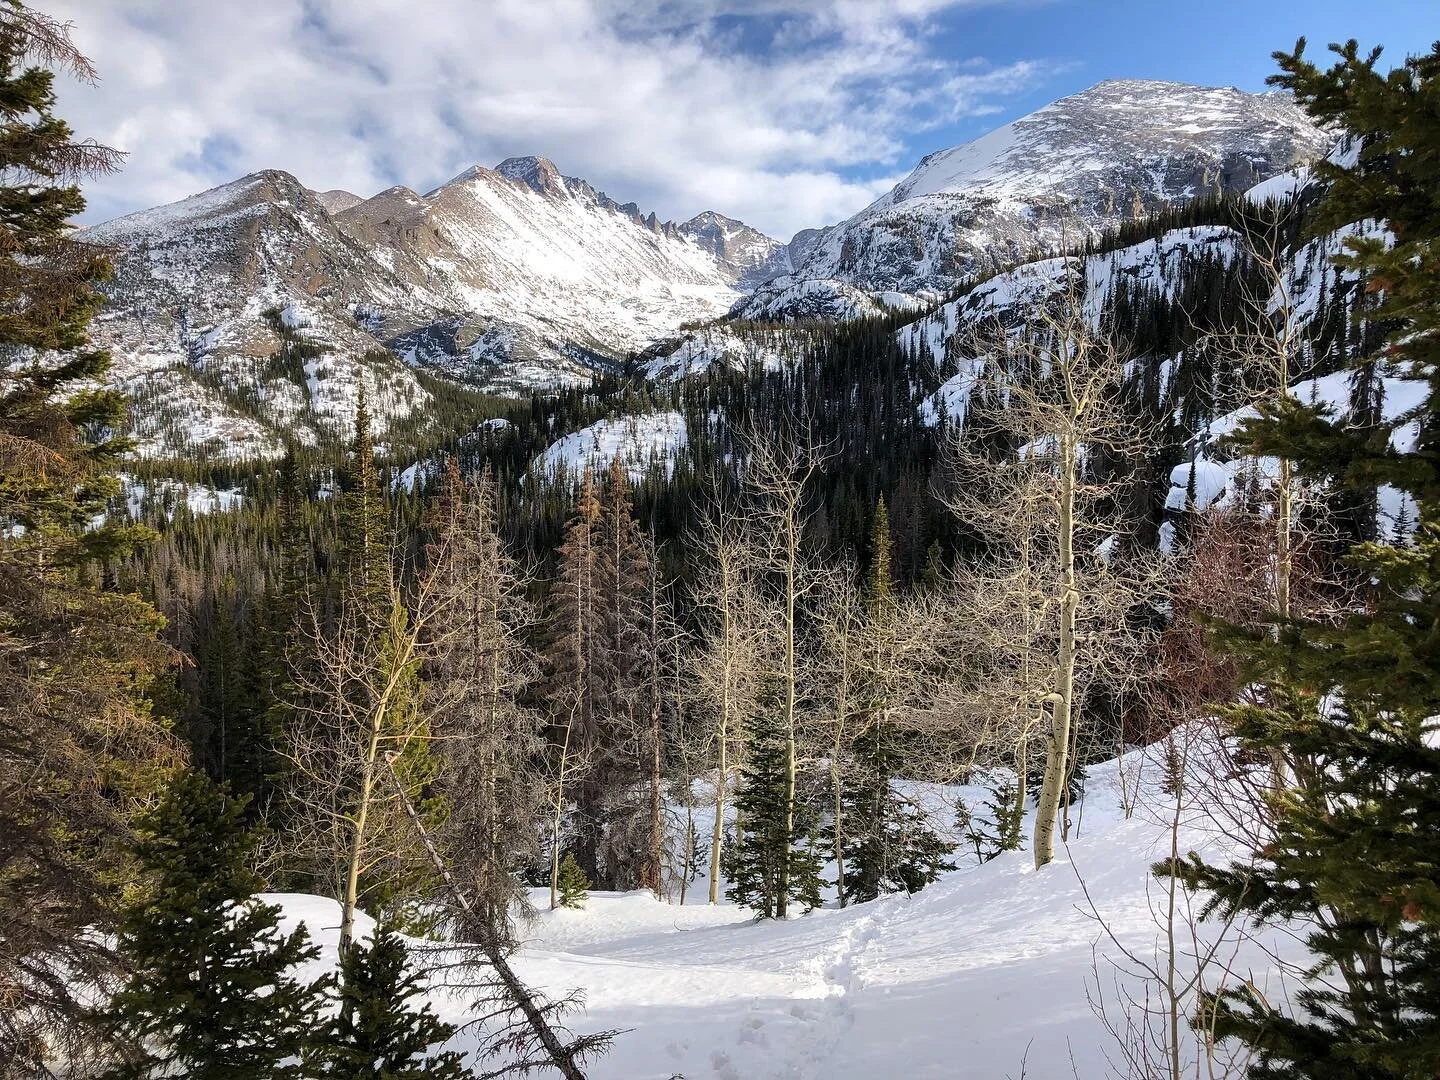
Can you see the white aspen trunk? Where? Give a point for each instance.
(792, 542)
(357, 837)
(1061, 698)
(842, 706)
(717, 833)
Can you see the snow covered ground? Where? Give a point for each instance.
(989, 973)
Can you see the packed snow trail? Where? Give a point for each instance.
(987, 971)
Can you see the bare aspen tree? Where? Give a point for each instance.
(776, 473)
(1053, 393)
(842, 629)
(726, 664)
(1156, 999)
(1268, 350)
(354, 705)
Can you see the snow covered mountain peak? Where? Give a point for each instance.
(1066, 171)
(516, 277)
(752, 256)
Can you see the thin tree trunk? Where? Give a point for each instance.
(559, 1054)
(717, 834)
(792, 541)
(1062, 697)
(559, 815)
(656, 867)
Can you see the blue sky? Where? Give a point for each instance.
(1211, 42)
(785, 113)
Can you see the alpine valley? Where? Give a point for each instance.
(497, 631)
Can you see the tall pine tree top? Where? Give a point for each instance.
(1389, 655)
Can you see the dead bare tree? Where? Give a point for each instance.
(489, 747)
(522, 1024)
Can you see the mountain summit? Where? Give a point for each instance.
(1075, 167)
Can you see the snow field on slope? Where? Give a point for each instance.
(1216, 479)
(993, 967)
(638, 441)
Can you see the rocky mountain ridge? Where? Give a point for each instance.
(1056, 177)
(520, 277)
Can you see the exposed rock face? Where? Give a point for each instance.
(336, 199)
(747, 253)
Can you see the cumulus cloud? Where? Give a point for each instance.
(786, 113)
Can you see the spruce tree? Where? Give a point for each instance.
(380, 1031)
(574, 886)
(365, 522)
(211, 994)
(767, 857)
(1351, 707)
(81, 746)
(889, 846)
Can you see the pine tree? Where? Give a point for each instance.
(80, 666)
(574, 885)
(380, 1033)
(1351, 707)
(365, 521)
(211, 994)
(889, 847)
(769, 857)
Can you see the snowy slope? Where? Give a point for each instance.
(542, 269)
(1062, 173)
(946, 336)
(790, 299)
(1212, 477)
(722, 345)
(992, 968)
(515, 277)
(640, 442)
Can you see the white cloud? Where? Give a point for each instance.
(786, 113)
